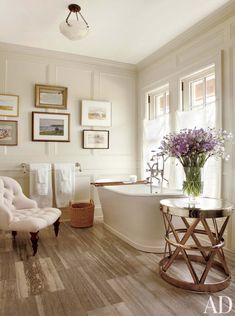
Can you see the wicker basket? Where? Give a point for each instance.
(81, 214)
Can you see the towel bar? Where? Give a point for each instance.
(25, 167)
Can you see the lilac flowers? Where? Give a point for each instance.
(192, 147)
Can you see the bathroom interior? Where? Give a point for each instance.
(85, 102)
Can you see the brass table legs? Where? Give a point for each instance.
(178, 248)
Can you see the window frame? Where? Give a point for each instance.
(186, 102)
(152, 95)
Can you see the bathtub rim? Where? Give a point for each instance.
(165, 191)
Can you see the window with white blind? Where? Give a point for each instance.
(198, 109)
(158, 102)
(157, 123)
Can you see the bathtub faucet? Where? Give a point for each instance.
(156, 169)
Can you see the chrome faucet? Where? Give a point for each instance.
(156, 170)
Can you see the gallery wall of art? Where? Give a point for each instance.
(103, 150)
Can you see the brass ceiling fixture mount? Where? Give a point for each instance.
(74, 29)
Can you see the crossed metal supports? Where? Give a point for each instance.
(206, 255)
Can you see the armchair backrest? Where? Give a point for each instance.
(10, 194)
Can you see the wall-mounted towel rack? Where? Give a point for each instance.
(25, 167)
(78, 166)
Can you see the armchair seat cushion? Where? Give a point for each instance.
(34, 219)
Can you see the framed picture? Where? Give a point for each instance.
(95, 139)
(9, 105)
(50, 127)
(8, 133)
(50, 97)
(96, 113)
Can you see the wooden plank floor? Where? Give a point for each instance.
(90, 272)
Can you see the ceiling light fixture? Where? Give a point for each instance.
(74, 29)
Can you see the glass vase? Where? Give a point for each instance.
(193, 183)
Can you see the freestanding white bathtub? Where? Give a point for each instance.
(133, 214)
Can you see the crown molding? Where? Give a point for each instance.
(26, 50)
(209, 22)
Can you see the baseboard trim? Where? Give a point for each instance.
(229, 250)
(98, 217)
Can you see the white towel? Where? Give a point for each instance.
(64, 183)
(40, 184)
(42, 180)
(66, 180)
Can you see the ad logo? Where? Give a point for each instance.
(223, 305)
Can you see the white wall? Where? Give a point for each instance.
(86, 78)
(210, 41)
(22, 67)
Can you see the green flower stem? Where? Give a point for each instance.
(193, 185)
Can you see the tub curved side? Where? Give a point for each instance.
(135, 218)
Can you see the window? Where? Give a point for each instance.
(198, 108)
(198, 89)
(157, 123)
(158, 102)
(198, 95)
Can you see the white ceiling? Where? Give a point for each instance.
(121, 30)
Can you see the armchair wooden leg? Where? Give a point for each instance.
(14, 233)
(34, 239)
(56, 226)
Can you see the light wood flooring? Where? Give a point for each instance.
(90, 272)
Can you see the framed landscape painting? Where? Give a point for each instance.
(9, 105)
(50, 97)
(95, 139)
(50, 127)
(8, 133)
(96, 113)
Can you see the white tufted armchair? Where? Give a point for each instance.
(19, 213)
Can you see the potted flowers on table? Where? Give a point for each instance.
(192, 148)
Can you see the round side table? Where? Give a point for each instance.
(209, 217)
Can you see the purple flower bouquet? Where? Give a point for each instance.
(193, 147)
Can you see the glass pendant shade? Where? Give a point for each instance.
(75, 30)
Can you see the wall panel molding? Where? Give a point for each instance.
(85, 78)
(204, 26)
(203, 47)
(66, 57)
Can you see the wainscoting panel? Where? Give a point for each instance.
(86, 78)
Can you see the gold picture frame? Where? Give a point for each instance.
(54, 97)
(9, 105)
